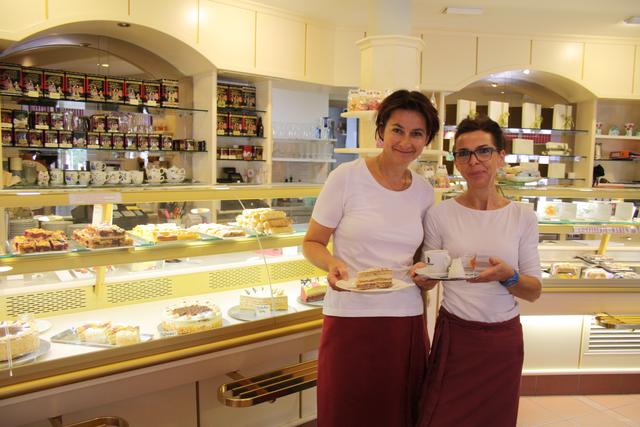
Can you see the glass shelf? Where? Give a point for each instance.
(636, 138)
(509, 157)
(303, 140)
(585, 222)
(452, 128)
(100, 105)
(239, 110)
(57, 149)
(631, 159)
(239, 160)
(301, 160)
(19, 187)
(241, 136)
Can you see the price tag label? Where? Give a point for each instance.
(94, 198)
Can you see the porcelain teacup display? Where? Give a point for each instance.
(56, 176)
(84, 177)
(113, 177)
(98, 177)
(97, 166)
(43, 178)
(137, 177)
(155, 175)
(175, 174)
(437, 260)
(70, 177)
(125, 177)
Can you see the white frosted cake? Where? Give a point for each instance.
(22, 339)
(456, 269)
(374, 278)
(188, 317)
(252, 298)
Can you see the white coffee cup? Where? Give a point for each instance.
(113, 177)
(98, 177)
(125, 177)
(84, 177)
(137, 177)
(624, 211)
(57, 176)
(43, 178)
(437, 261)
(70, 177)
(97, 166)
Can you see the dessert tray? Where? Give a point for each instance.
(165, 333)
(45, 346)
(350, 285)
(73, 246)
(318, 303)
(444, 277)
(69, 336)
(243, 314)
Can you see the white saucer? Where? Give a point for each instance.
(350, 285)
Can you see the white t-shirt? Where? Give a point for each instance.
(374, 227)
(509, 233)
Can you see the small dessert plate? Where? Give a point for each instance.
(350, 285)
(423, 272)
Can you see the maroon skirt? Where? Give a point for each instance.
(371, 370)
(473, 379)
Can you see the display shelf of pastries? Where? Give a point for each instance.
(220, 231)
(102, 236)
(265, 221)
(167, 232)
(38, 240)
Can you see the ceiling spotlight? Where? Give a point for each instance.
(502, 92)
(494, 84)
(462, 11)
(124, 24)
(527, 71)
(633, 20)
(105, 65)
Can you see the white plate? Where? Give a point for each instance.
(350, 285)
(423, 272)
(42, 325)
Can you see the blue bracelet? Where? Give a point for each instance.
(511, 281)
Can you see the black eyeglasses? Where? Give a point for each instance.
(482, 154)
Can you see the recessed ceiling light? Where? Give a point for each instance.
(527, 71)
(105, 65)
(634, 20)
(124, 24)
(502, 92)
(462, 11)
(494, 84)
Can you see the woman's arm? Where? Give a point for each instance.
(314, 248)
(528, 288)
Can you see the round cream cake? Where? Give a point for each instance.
(21, 337)
(188, 317)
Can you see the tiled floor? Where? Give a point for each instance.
(613, 410)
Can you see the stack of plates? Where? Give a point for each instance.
(18, 225)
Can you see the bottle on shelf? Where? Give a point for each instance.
(260, 128)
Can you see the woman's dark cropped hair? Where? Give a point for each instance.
(484, 124)
(412, 101)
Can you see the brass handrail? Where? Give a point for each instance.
(618, 322)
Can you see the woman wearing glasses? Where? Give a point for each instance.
(477, 353)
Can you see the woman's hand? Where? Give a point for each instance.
(337, 271)
(422, 282)
(499, 271)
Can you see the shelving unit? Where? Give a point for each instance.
(628, 138)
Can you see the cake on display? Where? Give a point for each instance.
(374, 278)
(102, 236)
(164, 232)
(253, 299)
(565, 270)
(218, 230)
(312, 290)
(188, 317)
(39, 240)
(105, 332)
(17, 338)
(265, 220)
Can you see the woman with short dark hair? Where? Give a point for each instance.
(373, 348)
(476, 360)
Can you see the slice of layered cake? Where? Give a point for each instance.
(312, 290)
(374, 278)
(253, 298)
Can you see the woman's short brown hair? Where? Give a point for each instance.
(484, 124)
(412, 101)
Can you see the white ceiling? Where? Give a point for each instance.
(532, 17)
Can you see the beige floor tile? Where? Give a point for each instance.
(610, 401)
(631, 412)
(531, 414)
(602, 419)
(566, 423)
(565, 406)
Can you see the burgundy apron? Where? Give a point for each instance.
(371, 370)
(473, 379)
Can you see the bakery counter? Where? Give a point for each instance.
(70, 363)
